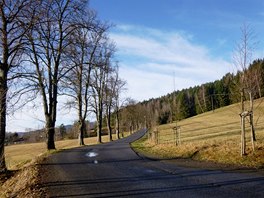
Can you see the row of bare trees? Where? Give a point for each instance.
(56, 48)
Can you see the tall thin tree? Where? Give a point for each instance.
(118, 88)
(242, 58)
(13, 16)
(99, 77)
(82, 53)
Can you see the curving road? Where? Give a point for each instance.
(115, 170)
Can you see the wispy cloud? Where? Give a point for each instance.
(150, 57)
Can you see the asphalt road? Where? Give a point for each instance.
(115, 170)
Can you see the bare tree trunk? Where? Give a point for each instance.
(117, 126)
(253, 137)
(11, 47)
(108, 120)
(99, 131)
(50, 131)
(251, 121)
(3, 92)
(80, 108)
(81, 132)
(130, 129)
(243, 134)
(99, 121)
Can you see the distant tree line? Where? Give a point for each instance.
(62, 132)
(194, 100)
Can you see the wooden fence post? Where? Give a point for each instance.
(243, 141)
(253, 138)
(155, 135)
(177, 135)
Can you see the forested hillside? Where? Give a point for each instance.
(195, 100)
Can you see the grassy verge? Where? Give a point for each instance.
(212, 136)
(223, 152)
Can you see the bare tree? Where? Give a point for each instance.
(129, 115)
(108, 101)
(99, 77)
(62, 131)
(49, 38)
(243, 58)
(118, 88)
(114, 87)
(13, 16)
(82, 53)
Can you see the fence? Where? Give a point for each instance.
(166, 138)
(200, 131)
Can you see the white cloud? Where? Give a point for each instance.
(143, 85)
(149, 57)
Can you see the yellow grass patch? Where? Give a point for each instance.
(21, 154)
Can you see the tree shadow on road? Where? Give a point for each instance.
(140, 183)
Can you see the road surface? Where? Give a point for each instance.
(115, 170)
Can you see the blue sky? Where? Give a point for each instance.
(193, 40)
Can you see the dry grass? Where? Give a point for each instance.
(24, 183)
(212, 136)
(19, 155)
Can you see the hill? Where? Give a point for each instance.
(193, 101)
(213, 136)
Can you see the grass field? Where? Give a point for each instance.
(212, 136)
(21, 154)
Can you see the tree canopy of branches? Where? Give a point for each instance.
(114, 87)
(55, 47)
(48, 40)
(99, 81)
(87, 41)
